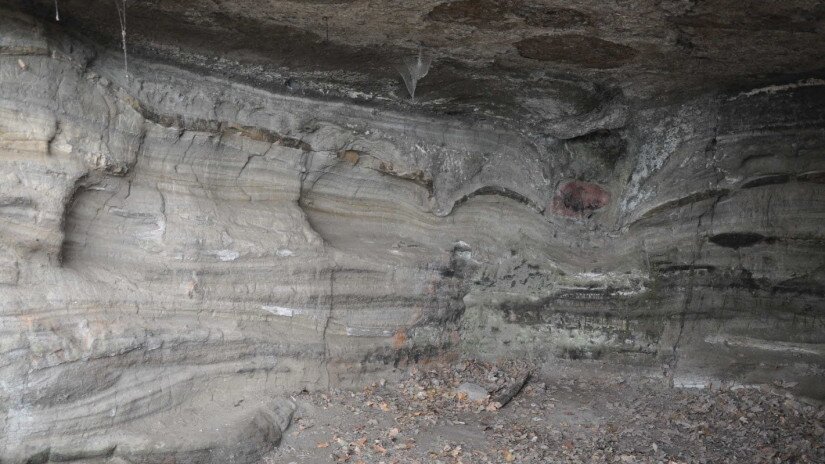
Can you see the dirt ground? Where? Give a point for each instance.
(570, 415)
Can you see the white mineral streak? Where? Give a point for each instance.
(773, 89)
(281, 311)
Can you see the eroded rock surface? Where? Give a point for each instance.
(179, 253)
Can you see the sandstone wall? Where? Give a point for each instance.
(179, 250)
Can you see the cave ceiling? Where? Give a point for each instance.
(535, 65)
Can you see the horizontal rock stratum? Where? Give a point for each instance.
(179, 252)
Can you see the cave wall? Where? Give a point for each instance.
(173, 237)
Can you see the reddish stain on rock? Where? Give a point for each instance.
(577, 199)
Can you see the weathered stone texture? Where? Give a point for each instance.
(177, 257)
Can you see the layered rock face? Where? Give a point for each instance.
(179, 253)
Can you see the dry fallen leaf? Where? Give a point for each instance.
(508, 456)
(379, 449)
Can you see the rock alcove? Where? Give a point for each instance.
(255, 209)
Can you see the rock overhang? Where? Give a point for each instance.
(531, 64)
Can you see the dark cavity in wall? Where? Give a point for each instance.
(737, 240)
(767, 180)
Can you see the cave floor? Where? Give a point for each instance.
(565, 414)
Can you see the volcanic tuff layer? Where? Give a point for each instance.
(180, 252)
